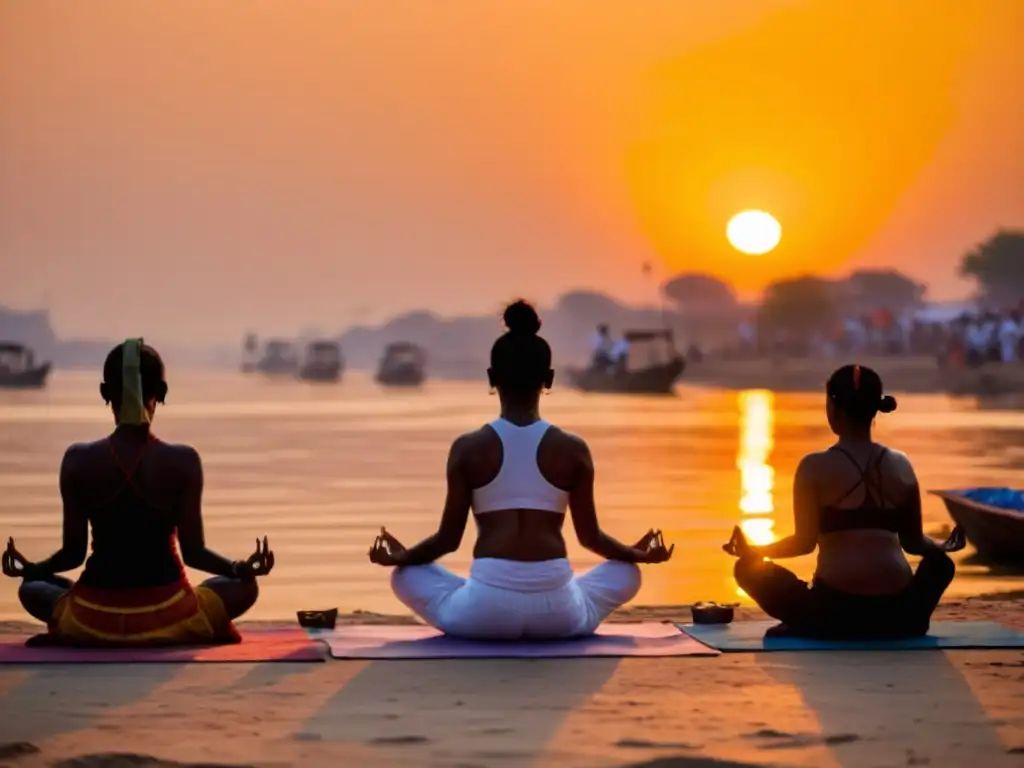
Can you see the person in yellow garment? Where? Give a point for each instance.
(139, 495)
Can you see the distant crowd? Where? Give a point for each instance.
(967, 340)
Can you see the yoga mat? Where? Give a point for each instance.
(258, 645)
(420, 642)
(748, 636)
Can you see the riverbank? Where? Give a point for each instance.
(914, 375)
(826, 710)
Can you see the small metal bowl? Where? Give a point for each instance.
(712, 613)
(318, 619)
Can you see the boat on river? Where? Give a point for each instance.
(278, 359)
(657, 375)
(322, 362)
(402, 365)
(992, 519)
(18, 367)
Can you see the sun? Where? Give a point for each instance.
(753, 232)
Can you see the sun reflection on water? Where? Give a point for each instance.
(757, 477)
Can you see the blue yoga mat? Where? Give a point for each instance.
(747, 636)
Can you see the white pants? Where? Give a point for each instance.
(511, 600)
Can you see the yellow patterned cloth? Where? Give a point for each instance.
(176, 614)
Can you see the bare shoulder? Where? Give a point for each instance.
(469, 443)
(568, 441)
(181, 454)
(78, 450)
(813, 462)
(899, 464)
(79, 453)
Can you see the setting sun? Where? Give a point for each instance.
(753, 232)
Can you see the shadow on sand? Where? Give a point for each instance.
(29, 711)
(494, 708)
(863, 698)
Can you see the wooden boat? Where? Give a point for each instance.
(278, 358)
(657, 376)
(403, 365)
(996, 532)
(18, 368)
(322, 362)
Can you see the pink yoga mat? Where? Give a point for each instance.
(420, 642)
(258, 645)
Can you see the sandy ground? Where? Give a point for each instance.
(846, 710)
(920, 375)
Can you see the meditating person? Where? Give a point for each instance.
(859, 503)
(518, 474)
(138, 494)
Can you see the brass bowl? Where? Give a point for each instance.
(318, 619)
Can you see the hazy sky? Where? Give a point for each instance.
(194, 168)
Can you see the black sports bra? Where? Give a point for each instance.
(869, 515)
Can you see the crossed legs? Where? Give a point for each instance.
(39, 597)
(443, 600)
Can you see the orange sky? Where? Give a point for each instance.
(295, 164)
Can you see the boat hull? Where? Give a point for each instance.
(404, 376)
(326, 374)
(997, 534)
(33, 378)
(653, 380)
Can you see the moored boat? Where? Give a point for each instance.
(323, 362)
(18, 368)
(278, 358)
(402, 365)
(992, 519)
(656, 376)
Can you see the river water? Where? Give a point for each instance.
(319, 468)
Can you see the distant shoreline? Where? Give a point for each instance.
(911, 375)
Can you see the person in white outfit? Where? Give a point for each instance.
(1009, 337)
(601, 348)
(620, 354)
(518, 474)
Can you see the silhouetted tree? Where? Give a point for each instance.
(589, 306)
(801, 305)
(997, 265)
(870, 289)
(698, 291)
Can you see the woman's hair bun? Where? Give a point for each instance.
(887, 404)
(521, 318)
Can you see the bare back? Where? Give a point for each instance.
(867, 498)
(135, 492)
(159, 471)
(520, 533)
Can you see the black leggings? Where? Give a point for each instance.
(819, 611)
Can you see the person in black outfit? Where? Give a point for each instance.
(859, 504)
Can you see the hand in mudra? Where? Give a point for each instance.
(14, 563)
(738, 546)
(652, 545)
(387, 550)
(260, 562)
(957, 540)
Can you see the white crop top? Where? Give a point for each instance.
(519, 483)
